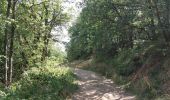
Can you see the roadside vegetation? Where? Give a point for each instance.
(128, 41)
(28, 57)
(43, 83)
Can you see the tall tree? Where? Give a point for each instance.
(6, 42)
(107, 26)
(25, 29)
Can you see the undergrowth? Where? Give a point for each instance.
(45, 83)
(142, 70)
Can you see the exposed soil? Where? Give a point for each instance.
(95, 87)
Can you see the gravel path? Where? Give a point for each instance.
(95, 87)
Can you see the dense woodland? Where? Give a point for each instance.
(27, 56)
(25, 32)
(107, 26)
(126, 40)
(131, 38)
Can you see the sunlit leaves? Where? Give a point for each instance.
(107, 25)
(34, 21)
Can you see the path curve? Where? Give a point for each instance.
(95, 87)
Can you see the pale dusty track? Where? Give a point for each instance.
(95, 87)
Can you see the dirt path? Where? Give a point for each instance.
(96, 87)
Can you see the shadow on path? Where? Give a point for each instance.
(95, 87)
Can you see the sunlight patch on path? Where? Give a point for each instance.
(95, 87)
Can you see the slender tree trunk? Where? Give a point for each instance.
(11, 42)
(45, 48)
(48, 31)
(154, 35)
(6, 43)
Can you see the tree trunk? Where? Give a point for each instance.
(11, 42)
(6, 43)
(45, 48)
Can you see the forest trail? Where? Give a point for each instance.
(95, 87)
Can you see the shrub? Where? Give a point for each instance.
(46, 83)
(2, 92)
(124, 63)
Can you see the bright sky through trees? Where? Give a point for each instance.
(61, 33)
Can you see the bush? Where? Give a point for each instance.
(124, 63)
(46, 83)
(2, 92)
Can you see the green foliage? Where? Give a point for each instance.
(34, 21)
(57, 55)
(154, 75)
(30, 46)
(105, 26)
(124, 62)
(130, 36)
(164, 97)
(44, 83)
(2, 92)
(2, 95)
